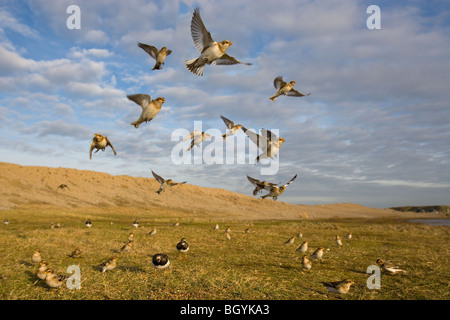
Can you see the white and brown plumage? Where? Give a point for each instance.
(291, 240)
(6, 222)
(160, 261)
(286, 89)
(153, 232)
(100, 142)
(158, 55)
(338, 241)
(135, 223)
(150, 108)
(130, 236)
(303, 247)
(197, 137)
(88, 223)
(260, 185)
(63, 186)
(127, 246)
(216, 227)
(232, 127)
(36, 256)
(228, 236)
(183, 247)
(389, 267)
(348, 236)
(306, 263)
(211, 52)
(75, 253)
(110, 264)
(338, 287)
(318, 254)
(268, 143)
(41, 270)
(276, 191)
(164, 184)
(54, 280)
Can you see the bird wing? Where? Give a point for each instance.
(91, 148)
(192, 135)
(290, 181)
(254, 181)
(278, 82)
(141, 99)
(200, 35)
(228, 122)
(260, 141)
(168, 52)
(228, 60)
(271, 137)
(158, 178)
(295, 93)
(175, 183)
(151, 50)
(108, 143)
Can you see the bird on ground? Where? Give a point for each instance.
(41, 270)
(348, 236)
(318, 254)
(100, 142)
(285, 89)
(88, 223)
(338, 287)
(6, 221)
(127, 246)
(228, 236)
(300, 235)
(216, 227)
(260, 185)
(211, 52)
(276, 191)
(130, 236)
(36, 256)
(176, 224)
(290, 240)
(197, 137)
(338, 241)
(75, 253)
(306, 263)
(247, 230)
(389, 267)
(227, 230)
(160, 261)
(153, 232)
(135, 223)
(183, 247)
(53, 280)
(63, 186)
(150, 108)
(268, 143)
(164, 184)
(158, 55)
(303, 247)
(110, 264)
(233, 128)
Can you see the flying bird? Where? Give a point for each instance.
(268, 143)
(150, 108)
(260, 185)
(100, 142)
(233, 128)
(275, 191)
(197, 138)
(62, 186)
(285, 89)
(211, 52)
(165, 183)
(158, 55)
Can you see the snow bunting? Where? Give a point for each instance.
(348, 236)
(36, 256)
(260, 185)
(286, 89)
(150, 108)
(290, 240)
(160, 261)
(183, 247)
(303, 247)
(41, 270)
(110, 264)
(153, 232)
(130, 236)
(88, 223)
(158, 55)
(216, 227)
(233, 128)
(75, 253)
(338, 287)
(306, 263)
(197, 138)
(53, 280)
(389, 267)
(127, 246)
(227, 230)
(164, 184)
(211, 52)
(6, 221)
(268, 143)
(275, 191)
(228, 236)
(338, 241)
(63, 186)
(100, 142)
(318, 254)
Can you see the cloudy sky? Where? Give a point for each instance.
(374, 131)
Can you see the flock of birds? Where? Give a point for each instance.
(211, 53)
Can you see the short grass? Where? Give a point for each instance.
(254, 265)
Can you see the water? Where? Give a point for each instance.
(432, 222)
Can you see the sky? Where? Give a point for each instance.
(375, 130)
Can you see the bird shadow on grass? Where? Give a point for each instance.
(356, 271)
(26, 263)
(34, 280)
(131, 269)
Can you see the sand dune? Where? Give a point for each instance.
(22, 186)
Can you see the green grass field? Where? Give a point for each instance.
(255, 265)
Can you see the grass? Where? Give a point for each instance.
(251, 266)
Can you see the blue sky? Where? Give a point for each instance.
(375, 130)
